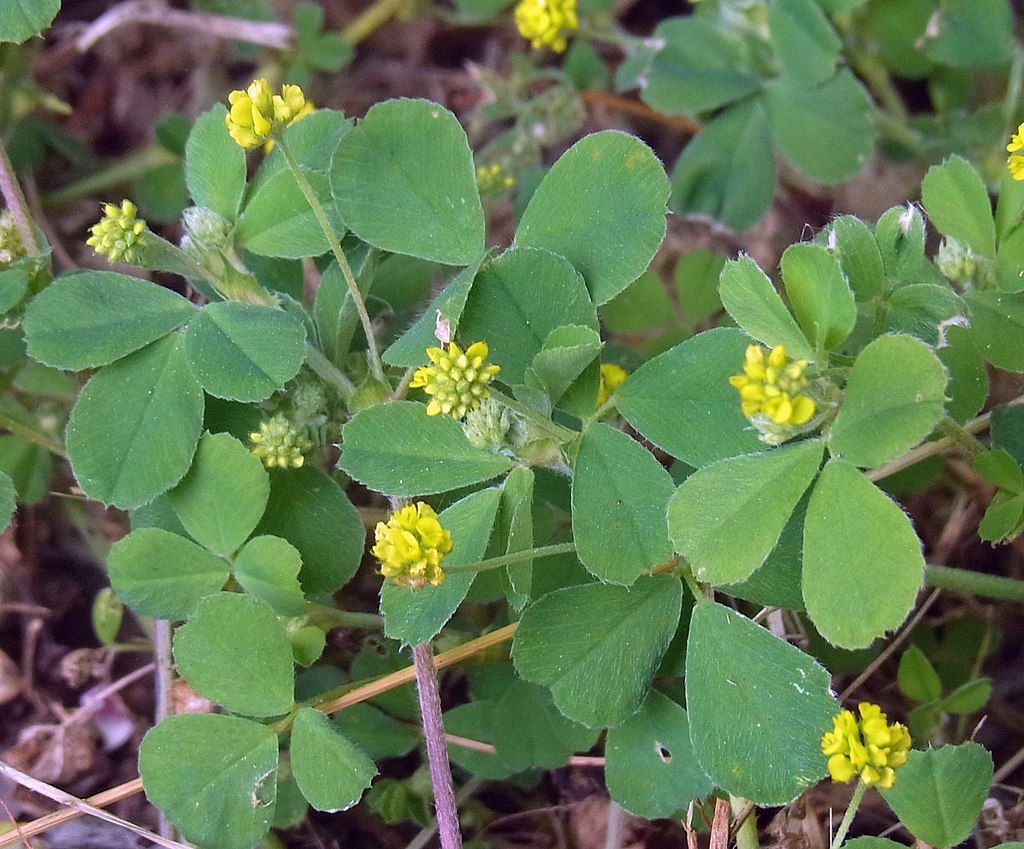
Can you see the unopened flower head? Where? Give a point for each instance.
(612, 377)
(770, 386)
(280, 444)
(493, 179)
(411, 545)
(456, 381)
(256, 113)
(11, 246)
(1015, 161)
(545, 23)
(869, 747)
(118, 235)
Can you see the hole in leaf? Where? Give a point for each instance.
(663, 753)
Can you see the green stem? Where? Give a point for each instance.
(379, 13)
(851, 810)
(513, 557)
(328, 372)
(746, 834)
(123, 171)
(25, 432)
(376, 366)
(961, 436)
(974, 583)
(696, 590)
(331, 617)
(562, 434)
(16, 203)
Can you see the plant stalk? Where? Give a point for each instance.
(329, 373)
(512, 557)
(376, 366)
(34, 436)
(16, 203)
(974, 583)
(437, 755)
(851, 811)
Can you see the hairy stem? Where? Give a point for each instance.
(512, 557)
(437, 755)
(974, 583)
(16, 203)
(851, 811)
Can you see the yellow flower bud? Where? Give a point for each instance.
(280, 444)
(612, 377)
(457, 381)
(118, 234)
(545, 23)
(870, 748)
(254, 115)
(411, 545)
(1015, 161)
(770, 388)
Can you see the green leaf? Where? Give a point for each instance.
(244, 352)
(529, 732)
(375, 732)
(650, 768)
(310, 510)
(22, 19)
(618, 193)
(804, 40)
(968, 698)
(515, 526)
(398, 449)
(517, 301)
(958, 206)
(854, 244)
(683, 403)
(404, 182)
(727, 170)
(698, 69)
(862, 560)
(415, 616)
(563, 357)
(924, 310)
(938, 793)
(92, 318)
(13, 287)
(134, 429)
(163, 575)
(223, 473)
(1000, 468)
(234, 650)
(619, 493)
(894, 397)
(997, 322)
(750, 298)
(917, 677)
(215, 165)
(610, 640)
(268, 567)
(1003, 519)
(214, 776)
(331, 772)
(8, 500)
(642, 305)
(767, 698)
(872, 843)
(827, 130)
(899, 233)
(821, 297)
(475, 721)
(968, 378)
(970, 33)
(278, 221)
(720, 519)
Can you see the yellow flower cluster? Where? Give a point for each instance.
(612, 377)
(1015, 161)
(257, 113)
(492, 179)
(279, 444)
(457, 381)
(118, 234)
(545, 23)
(411, 546)
(770, 386)
(869, 747)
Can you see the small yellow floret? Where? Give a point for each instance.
(254, 115)
(492, 179)
(1015, 161)
(411, 545)
(770, 386)
(545, 23)
(280, 444)
(118, 234)
(612, 377)
(457, 381)
(870, 747)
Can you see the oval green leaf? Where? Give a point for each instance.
(331, 772)
(619, 493)
(618, 192)
(649, 765)
(214, 776)
(267, 568)
(862, 564)
(92, 318)
(244, 352)
(997, 322)
(214, 165)
(609, 639)
(727, 517)
(163, 575)
(223, 495)
(235, 651)
(134, 429)
(8, 500)
(398, 449)
(21, 20)
(766, 697)
(958, 205)
(404, 181)
(894, 397)
(821, 297)
(683, 403)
